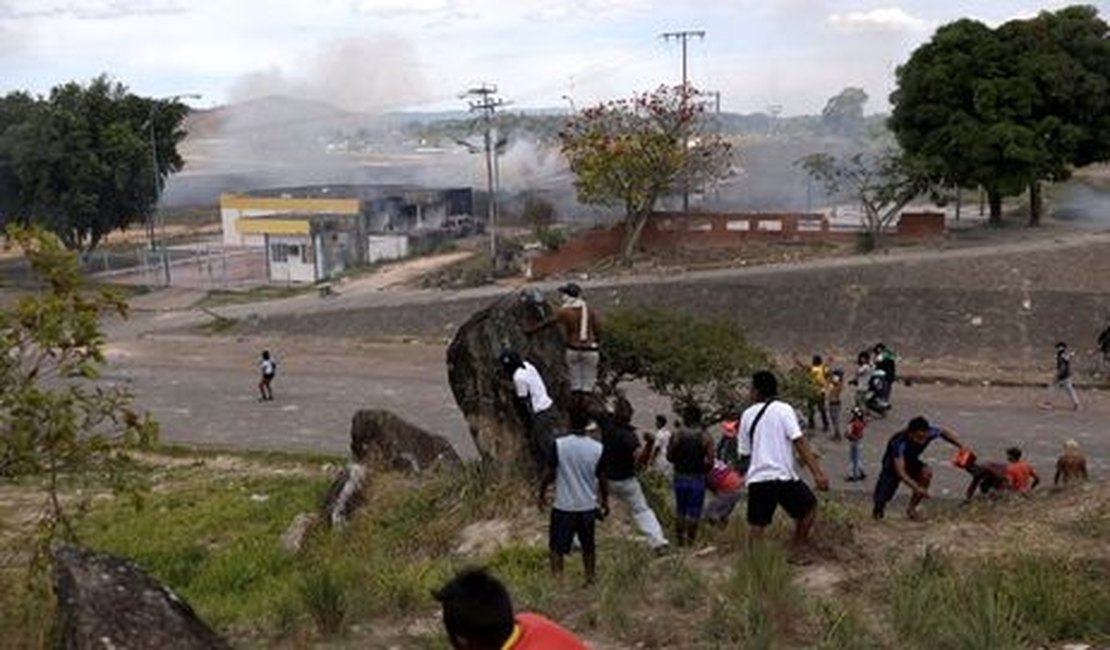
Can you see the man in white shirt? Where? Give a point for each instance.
(533, 404)
(769, 436)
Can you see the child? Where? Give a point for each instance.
(1020, 472)
(268, 367)
(856, 426)
(833, 396)
(724, 484)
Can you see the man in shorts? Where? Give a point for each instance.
(581, 494)
(902, 464)
(769, 436)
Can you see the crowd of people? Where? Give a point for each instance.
(600, 456)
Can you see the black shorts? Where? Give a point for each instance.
(795, 497)
(565, 526)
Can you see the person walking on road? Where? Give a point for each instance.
(267, 367)
(1062, 378)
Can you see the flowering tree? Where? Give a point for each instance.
(630, 152)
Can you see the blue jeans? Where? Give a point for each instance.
(855, 459)
(689, 496)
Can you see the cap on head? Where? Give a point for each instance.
(571, 289)
(1071, 444)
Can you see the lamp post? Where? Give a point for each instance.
(158, 182)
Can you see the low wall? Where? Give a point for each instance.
(715, 230)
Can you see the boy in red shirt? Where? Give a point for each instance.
(478, 615)
(1021, 474)
(856, 427)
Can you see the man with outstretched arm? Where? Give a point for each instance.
(769, 437)
(902, 464)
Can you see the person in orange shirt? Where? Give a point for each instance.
(478, 615)
(1021, 474)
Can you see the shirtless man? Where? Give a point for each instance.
(1071, 466)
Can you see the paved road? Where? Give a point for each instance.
(203, 391)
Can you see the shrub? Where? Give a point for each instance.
(324, 596)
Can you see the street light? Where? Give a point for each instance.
(158, 181)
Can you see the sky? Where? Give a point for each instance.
(381, 55)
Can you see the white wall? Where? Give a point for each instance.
(386, 247)
(291, 259)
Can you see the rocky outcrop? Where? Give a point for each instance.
(381, 439)
(106, 601)
(521, 322)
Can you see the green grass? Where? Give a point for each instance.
(1004, 602)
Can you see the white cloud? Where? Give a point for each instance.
(90, 9)
(887, 19)
(390, 8)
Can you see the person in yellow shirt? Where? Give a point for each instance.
(819, 375)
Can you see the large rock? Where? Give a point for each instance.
(483, 394)
(106, 601)
(380, 438)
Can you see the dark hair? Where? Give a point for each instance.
(817, 360)
(660, 420)
(477, 608)
(691, 414)
(919, 423)
(764, 383)
(510, 360)
(863, 357)
(579, 419)
(265, 354)
(623, 410)
(1061, 345)
(1013, 454)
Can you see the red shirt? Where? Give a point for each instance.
(534, 632)
(855, 429)
(1019, 474)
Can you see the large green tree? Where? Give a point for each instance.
(1009, 107)
(80, 161)
(631, 152)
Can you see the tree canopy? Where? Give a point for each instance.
(707, 362)
(80, 162)
(1009, 107)
(631, 152)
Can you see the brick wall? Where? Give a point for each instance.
(921, 224)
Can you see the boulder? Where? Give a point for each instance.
(380, 438)
(106, 601)
(294, 536)
(522, 322)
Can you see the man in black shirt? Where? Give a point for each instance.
(1062, 378)
(619, 450)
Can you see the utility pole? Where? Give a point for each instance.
(154, 214)
(684, 36)
(482, 100)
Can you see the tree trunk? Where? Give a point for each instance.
(994, 198)
(632, 235)
(1036, 204)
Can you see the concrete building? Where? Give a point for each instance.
(315, 233)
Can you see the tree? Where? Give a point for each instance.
(689, 360)
(843, 114)
(883, 183)
(630, 152)
(81, 161)
(1010, 107)
(54, 419)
